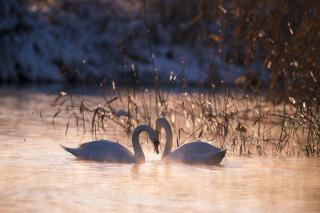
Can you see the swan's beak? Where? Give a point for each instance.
(156, 146)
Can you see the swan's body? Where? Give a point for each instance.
(102, 150)
(197, 152)
(112, 152)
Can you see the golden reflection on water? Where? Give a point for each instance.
(37, 175)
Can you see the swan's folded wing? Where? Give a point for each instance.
(96, 144)
(197, 147)
(200, 147)
(197, 153)
(105, 151)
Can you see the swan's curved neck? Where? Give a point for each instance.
(163, 123)
(138, 152)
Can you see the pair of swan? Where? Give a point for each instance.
(192, 153)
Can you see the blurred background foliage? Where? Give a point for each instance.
(280, 38)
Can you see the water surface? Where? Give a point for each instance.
(37, 175)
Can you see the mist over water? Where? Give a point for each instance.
(37, 175)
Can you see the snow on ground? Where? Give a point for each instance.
(94, 43)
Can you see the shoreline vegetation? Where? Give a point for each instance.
(246, 124)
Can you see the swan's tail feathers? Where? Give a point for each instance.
(75, 152)
(217, 158)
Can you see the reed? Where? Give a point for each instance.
(245, 124)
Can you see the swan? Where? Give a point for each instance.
(197, 152)
(112, 152)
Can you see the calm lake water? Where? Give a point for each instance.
(36, 175)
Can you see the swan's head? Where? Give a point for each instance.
(155, 141)
(162, 122)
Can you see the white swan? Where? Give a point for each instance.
(197, 152)
(112, 152)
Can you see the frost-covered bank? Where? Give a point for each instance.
(90, 40)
